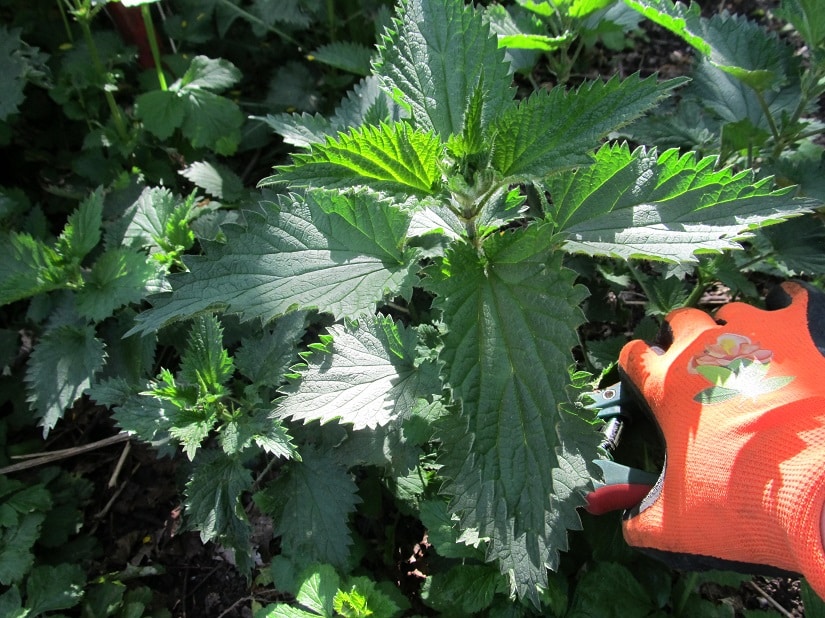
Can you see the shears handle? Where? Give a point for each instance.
(623, 487)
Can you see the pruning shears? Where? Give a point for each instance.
(623, 487)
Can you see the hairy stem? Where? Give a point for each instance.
(696, 293)
(153, 44)
(763, 104)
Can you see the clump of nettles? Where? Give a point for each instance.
(421, 181)
(433, 195)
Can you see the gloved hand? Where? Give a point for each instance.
(740, 401)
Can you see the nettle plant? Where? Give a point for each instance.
(560, 31)
(753, 100)
(417, 242)
(753, 94)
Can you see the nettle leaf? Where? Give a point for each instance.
(583, 8)
(367, 376)
(556, 130)
(159, 220)
(737, 104)
(148, 216)
(684, 21)
(505, 24)
(259, 427)
(19, 499)
(799, 245)
(730, 42)
(30, 267)
(472, 136)
(266, 358)
(747, 51)
(191, 427)
(345, 55)
(312, 502)
(11, 603)
(386, 158)
(363, 598)
(193, 105)
(161, 111)
(663, 207)
(82, 231)
(117, 278)
(542, 8)
(61, 368)
(205, 361)
(392, 447)
(338, 253)
(434, 55)
(13, 71)
(318, 588)
(470, 587)
(129, 358)
(217, 180)
(298, 13)
(435, 218)
(540, 42)
(212, 121)
(517, 463)
(16, 544)
(807, 18)
(51, 588)
(209, 74)
(301, 129)
(143, 415)
(366, 103)
(213, 502)
(607, 584)
(443, 532)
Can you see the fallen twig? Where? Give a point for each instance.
(770, 600)
(105, 510)
(116, 472)
(46, 458)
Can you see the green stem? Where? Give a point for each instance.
(257, 20)
(810, 91)
(65, 19)
(763, 104)
(696, 293)
(117, 114)
(807, 134)
(639, 279)
(331, 19)
(756, 260)
(153, 44)
(263, 473)
(472, 232)
(571, 60)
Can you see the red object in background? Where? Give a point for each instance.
(129, 23)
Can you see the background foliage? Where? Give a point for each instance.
(348, 267)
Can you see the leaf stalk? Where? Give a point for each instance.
(153, 44)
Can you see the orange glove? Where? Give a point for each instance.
(740, 401)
